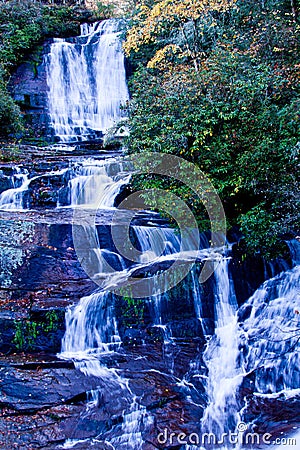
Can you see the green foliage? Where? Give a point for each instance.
(25, 24)
(27, 331)
(235, 113)
(10, 153)
(256, 225)
(52, 320)
(105, 11)
(19, 339)
(10, 115)
(134, 309)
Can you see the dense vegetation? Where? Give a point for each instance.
(217, 82)
(24, 25)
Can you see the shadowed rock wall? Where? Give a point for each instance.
(28, 86)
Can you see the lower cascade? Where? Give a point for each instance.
(260, 342)
(192, 367)
(251, 355)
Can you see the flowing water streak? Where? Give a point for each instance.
(91, 325)
(263, 339)
(155, 242)
(91, 332)
(221, 356)
(93, 184)
(13, 199)
(271, 334)
(96, 183)
(87, 82)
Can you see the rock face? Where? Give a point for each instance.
(5, 181)
(28, 86)
(40, 277)
(48, 400)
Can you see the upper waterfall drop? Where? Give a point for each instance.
(87, 82)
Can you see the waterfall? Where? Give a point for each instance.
(259, 338)
(96, 183)
(155, 242)
(262, 339)
(92, 184)
(91, 332)
(220, 357)
(271, 334)
(87, 82)
(13, 198)
(16, 198)
(91, 325)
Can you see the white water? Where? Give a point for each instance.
(220, 357)
(134, 423)
(91, 325)
(271, 344)
(87, 82)
(266, 343)
(13, 199)
(91, 332)
(95, 185)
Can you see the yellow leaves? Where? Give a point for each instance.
(151, 21)
(156, 10)
(160, 56)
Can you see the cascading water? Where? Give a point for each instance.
(92, 184)
(256, 344)
(13, 198)
(91, 329)
(262, 339)
(271, 334)
(155, 242)
(95, 184)
(91, 324)
(220, 358)
(264, 342)
(87, 82)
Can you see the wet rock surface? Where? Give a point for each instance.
(278, 414)
(45, 402)
(41, 276)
